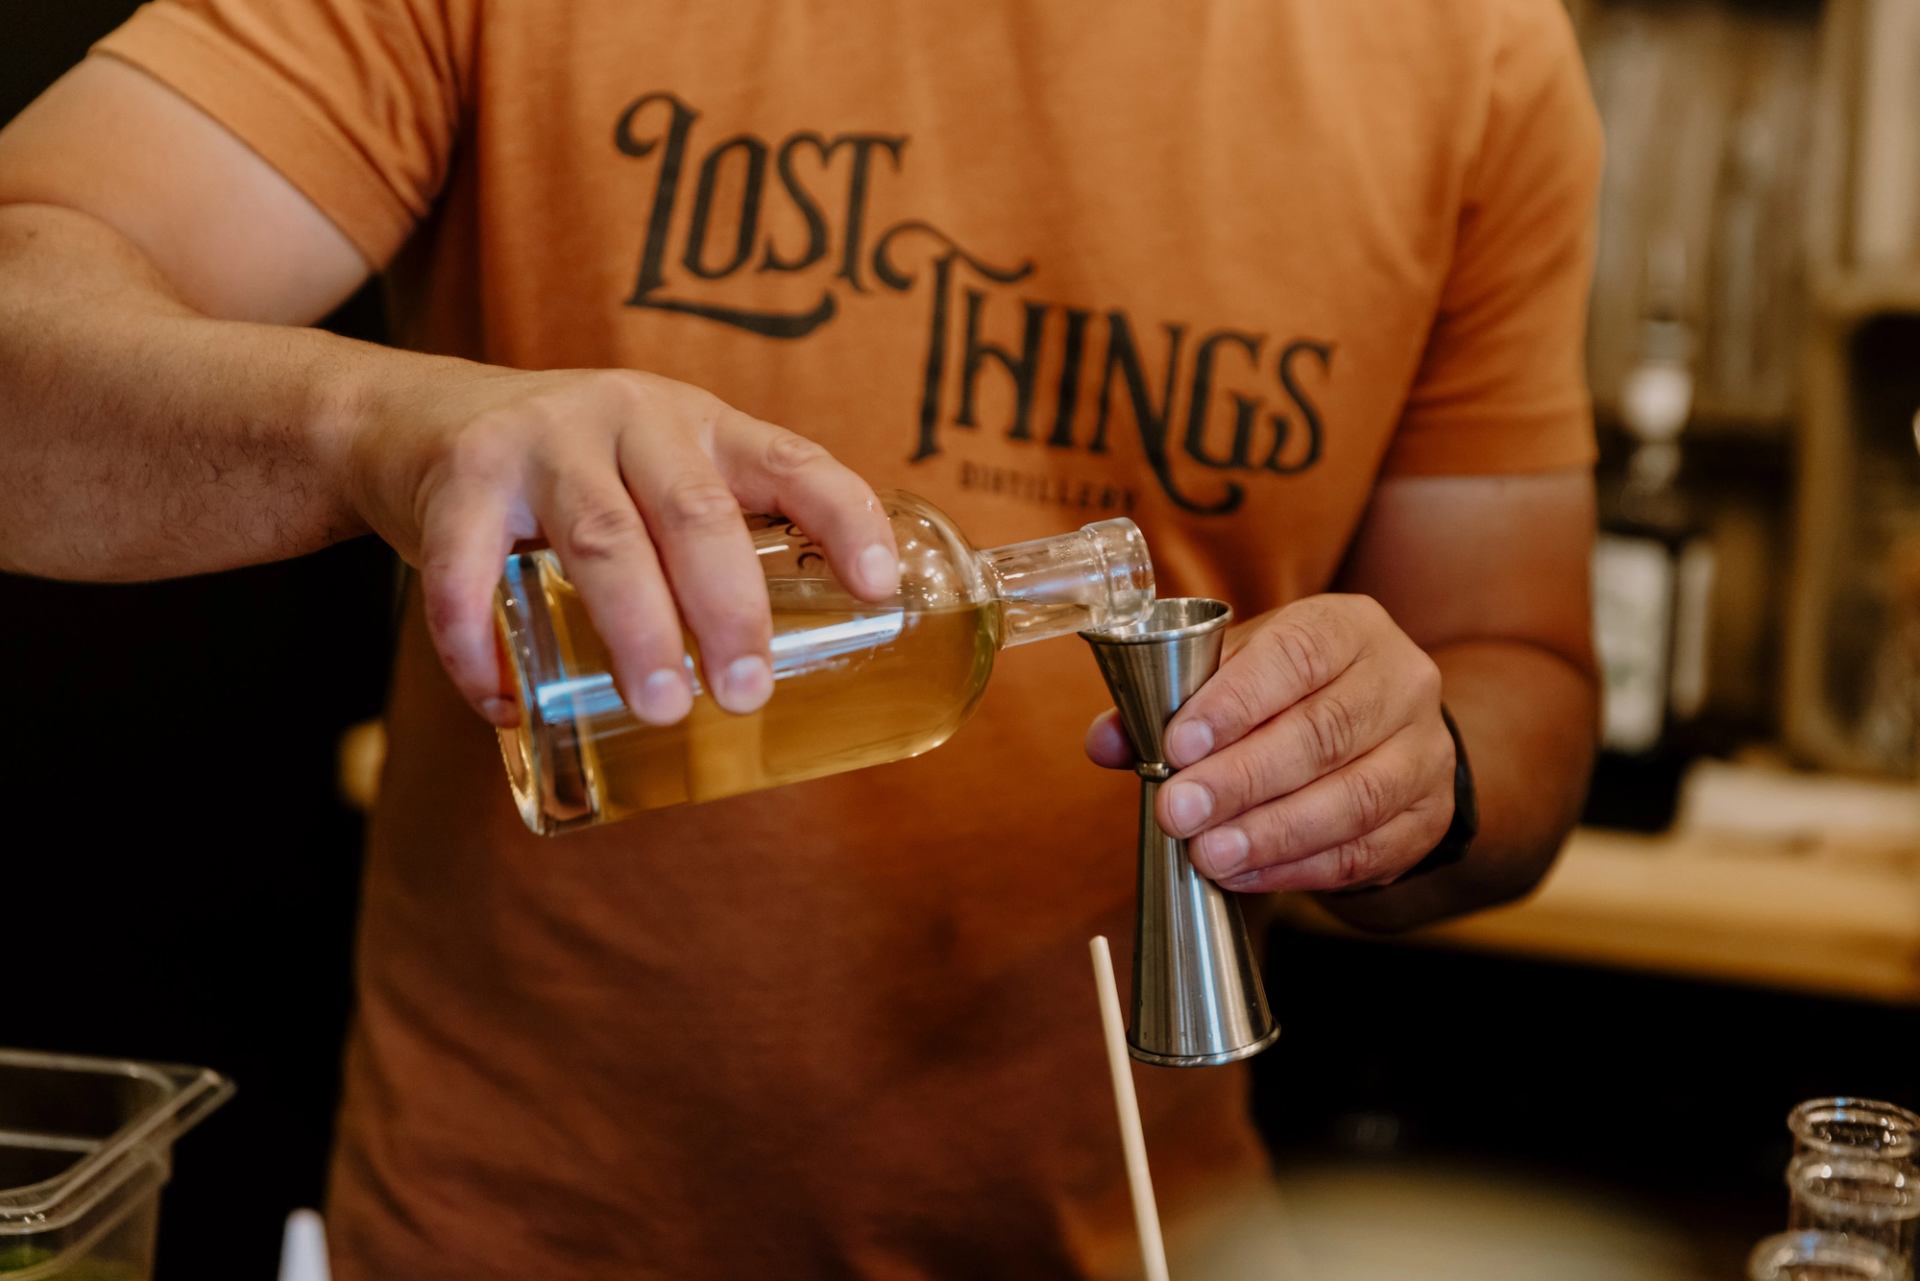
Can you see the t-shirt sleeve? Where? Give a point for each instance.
(1502, 384)
(355, 102)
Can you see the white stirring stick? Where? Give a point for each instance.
(1133, 1138)
(303, 1254)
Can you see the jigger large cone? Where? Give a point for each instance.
(1197, 996)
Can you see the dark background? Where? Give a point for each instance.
(180, 885)
(179, 871)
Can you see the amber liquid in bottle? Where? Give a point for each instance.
(904, 682)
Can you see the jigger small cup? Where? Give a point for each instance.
(1198, 999)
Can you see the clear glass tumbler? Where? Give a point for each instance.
(1863, 1198)
(1853, 1172)
(1819, 1256)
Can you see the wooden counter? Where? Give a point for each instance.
(1839, 917)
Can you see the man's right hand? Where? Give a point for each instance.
(638, 483)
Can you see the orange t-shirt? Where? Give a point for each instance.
(1216, 266)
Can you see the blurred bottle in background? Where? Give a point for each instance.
(1652, 576)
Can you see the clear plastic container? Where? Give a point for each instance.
(85, 1147)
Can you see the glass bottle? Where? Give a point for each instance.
(1818, 1256)
(1652, 580)
(855, 683)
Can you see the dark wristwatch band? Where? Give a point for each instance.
(1465, 826)
(1460, 832)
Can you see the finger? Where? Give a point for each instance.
(701, 534)
(1375, 858)
(464, 541)
(775, 470)
(592, 524)
(1236, 637)
(1107, 743)
(1300, 649)
(1317, 735)
(1330, 811)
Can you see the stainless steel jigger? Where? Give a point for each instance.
(1197, 995)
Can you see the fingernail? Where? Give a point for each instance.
(879, 569)
(664, 697)
(1222, 852)
(1188, 804)
(501, 712)
(1189, 742)
(748, 684)
(1242, 884)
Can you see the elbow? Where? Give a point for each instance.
(1517, 879)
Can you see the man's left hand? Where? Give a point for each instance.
(1316, 758)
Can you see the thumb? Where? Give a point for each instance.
(1107, 743)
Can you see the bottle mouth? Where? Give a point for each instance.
(1126, 566)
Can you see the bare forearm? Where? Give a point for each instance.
(141, 439)
(1528, 717)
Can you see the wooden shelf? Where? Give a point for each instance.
(1734, 909)
(1709, 422)
(1855, 296)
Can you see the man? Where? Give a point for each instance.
(1296, 285)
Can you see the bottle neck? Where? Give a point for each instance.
(1098, 576)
